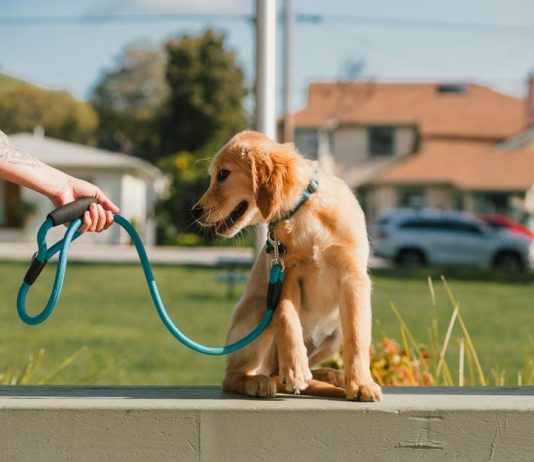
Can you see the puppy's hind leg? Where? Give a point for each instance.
(315, 388)
(333, 376)
(326, 349)
(330, 346)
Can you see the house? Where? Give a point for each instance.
(133, 184)
(462, 146)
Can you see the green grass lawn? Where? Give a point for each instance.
(108, 309)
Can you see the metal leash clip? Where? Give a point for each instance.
(275, 245)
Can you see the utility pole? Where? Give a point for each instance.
(265, 81)
(287, 49)
(266, 67)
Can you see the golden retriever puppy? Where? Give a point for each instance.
(326, 294)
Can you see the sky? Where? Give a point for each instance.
(73, 56)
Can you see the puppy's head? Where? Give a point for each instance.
(251, 177)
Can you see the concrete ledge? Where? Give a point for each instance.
(203, 424)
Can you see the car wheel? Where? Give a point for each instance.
(508, 261)
(410, 258)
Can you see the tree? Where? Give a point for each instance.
(202, 111)
(189, 180)
(173, 106)
(127, 99)
(25, 107)
(206, 90)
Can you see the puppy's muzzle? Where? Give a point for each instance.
(197, 212)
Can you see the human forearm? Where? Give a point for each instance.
(22, 168)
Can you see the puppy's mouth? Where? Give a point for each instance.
(226, 224)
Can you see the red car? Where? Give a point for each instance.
(503, 222)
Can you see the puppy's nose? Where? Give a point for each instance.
(197, 212)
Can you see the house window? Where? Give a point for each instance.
(458, 202)
(381, 140)
(411, 197)
(493, 202)
(307, 142)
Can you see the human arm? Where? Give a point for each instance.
(19, 167)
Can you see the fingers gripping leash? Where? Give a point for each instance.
(71, 213)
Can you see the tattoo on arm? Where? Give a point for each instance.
(11, 154)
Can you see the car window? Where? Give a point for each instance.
(496, 225)
(383, 221)
(441, 224)
(415, 223)
(468, 228)
(420, 223)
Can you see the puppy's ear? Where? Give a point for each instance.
(272, 166)
(267, 182)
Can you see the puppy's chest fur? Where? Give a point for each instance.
(319, 291)
(309, 259)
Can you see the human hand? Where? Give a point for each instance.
(99, 216)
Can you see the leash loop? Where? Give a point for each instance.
(276, 277)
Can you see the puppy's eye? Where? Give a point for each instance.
(222, 175)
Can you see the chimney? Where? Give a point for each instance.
(530, 101)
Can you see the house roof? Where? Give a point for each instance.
(65, 155)
(479, 112)
(465, 164)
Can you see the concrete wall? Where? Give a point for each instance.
(55, 424)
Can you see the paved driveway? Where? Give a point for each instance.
(160, 255)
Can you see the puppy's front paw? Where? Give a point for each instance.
(260, 386)
(295, 375)
(363, 392)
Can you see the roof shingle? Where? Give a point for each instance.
(466, 165)
(480, 112)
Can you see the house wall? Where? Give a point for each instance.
(2, 202)
(382, 197)
(377, 199)
(134, 205)
(350, 144)
(440, 196)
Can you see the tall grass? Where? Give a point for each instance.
(33, 370)
(412, 362)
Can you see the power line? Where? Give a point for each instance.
(379, 21)
(94, 19)
(301, 18)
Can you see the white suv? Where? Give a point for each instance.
(411, 237)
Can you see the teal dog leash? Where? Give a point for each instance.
(71, 213)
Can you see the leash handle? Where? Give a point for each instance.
(68, 212)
